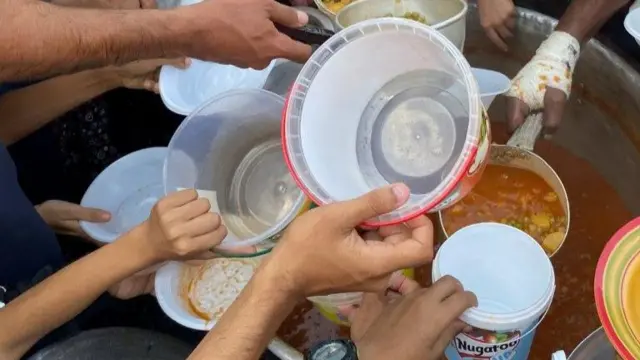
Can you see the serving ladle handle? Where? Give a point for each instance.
(526, 135)
(309, 35)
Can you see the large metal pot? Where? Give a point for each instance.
(446, 16)
(596, 346)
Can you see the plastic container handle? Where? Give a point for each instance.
(283, 350)
(526, 135)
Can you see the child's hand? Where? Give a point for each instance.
(181, 227)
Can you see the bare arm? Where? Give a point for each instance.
(53, 97)
(40, 39)
(251, 322)
(584, 18)
(68, 292)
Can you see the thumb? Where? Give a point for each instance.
(81, 213)
(517, 110)
(374, 203)
(554, 102)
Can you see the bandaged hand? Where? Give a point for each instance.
(544, 83)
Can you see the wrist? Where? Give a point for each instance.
(137, 243)
(281, 287)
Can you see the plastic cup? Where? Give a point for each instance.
(230, 151)
(513, 280)
(184, 90)
(329, 305)
(384, 101)
(491, 84)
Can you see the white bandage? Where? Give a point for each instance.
(551, 66)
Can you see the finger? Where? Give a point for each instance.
(210, 240)
(402, 284)
(445, 287)
(81, 213)
(504, 33)
(377, 202)
(194, 209)
(457, 303)
(203, 224)
(292, 50)
(362, 316)
(495, 38)
(287, 16)
(238, 250)
(511, 21)
(554, 103)
(148, 4)
(517, 110)
(178, 198)
(453, 329)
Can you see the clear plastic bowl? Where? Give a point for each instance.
(230, 151)
(383, 101)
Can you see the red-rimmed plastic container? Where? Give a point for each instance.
(383, 101)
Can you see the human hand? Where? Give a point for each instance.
(108, 4)
(498, 18)
(242, 32)
(181, 227)
(141, 283)
(143, 74)
(428, 318)
(64, 217)
(544, 83)
(321, 252)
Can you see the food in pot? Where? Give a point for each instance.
(411, 15)
(212, 287)
(336, 5)
(516, 197)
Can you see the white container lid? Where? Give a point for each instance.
(632, 23)
(184, 90)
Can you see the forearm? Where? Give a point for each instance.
(53, 98)
(39, 39)
(250, 323)
(66, 293)
(584, 18)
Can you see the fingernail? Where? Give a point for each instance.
(303, 18)
(105, 216)
(467, 329)
(401, 191)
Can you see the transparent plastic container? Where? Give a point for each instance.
(383, 101)
(230, 151)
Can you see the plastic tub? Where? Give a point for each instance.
(514, 281)
(358, 118)
(184, 90)
(490, 84)
(229, 150)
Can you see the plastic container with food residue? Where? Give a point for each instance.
(396, 116)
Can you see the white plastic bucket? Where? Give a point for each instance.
(514, 281)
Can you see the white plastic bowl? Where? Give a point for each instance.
(490, 84)
(184, 90)
(128, 189)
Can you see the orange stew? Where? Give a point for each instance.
(515, 197)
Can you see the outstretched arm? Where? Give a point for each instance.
(54, 97)
(39, 39)
(584, 18)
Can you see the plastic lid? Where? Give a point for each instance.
(184, 90)
(358, 118)
(632, 23)
(505, 268)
